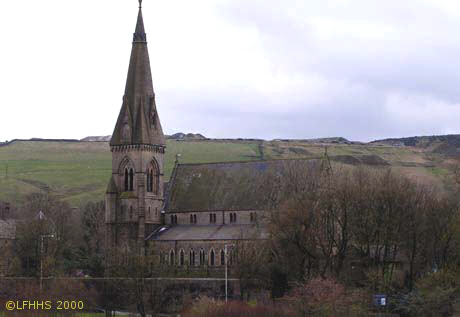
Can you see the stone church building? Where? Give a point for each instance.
(188, 221)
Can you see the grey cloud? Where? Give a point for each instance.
(417, 59)
(219, 114)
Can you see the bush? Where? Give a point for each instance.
(327, 297)
(433, 295)
(206, 307)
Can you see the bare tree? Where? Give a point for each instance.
(322, 222)
(251, 263)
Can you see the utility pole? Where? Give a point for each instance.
(42, 237)
(226, 270)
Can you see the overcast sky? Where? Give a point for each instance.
(361, 69)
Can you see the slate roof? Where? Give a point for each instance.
(210, 232)
(7, 229)
(138, 121)
(226, 186)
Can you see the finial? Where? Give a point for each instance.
(140, 4)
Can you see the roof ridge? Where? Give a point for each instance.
(251, 161)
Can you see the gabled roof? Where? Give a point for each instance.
(227, 186)
(138, 121)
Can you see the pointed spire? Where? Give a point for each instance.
(138, 121)
(141, 132)
(112, 186)
(139, 34)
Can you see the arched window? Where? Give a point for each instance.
(192, 258)
(131, 179)
(191, 218)
(151, 180)
(202, 259)
(148, 181)
(153, 175)
(222, 257)
(212, 218)
(171, 257)
(181, 258)
(173, 219)
(126, 180)
(212, 258)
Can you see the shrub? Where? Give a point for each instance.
(433, 295)
(327, 297)
(206, 307)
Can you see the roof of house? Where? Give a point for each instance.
(210, 232)
(7, 229)
(228, 186)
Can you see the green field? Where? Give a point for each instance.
(78, 172)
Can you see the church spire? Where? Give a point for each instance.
(138, 121)
(139, 34)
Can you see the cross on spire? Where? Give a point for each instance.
(140, 4)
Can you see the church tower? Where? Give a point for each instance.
(134, 195)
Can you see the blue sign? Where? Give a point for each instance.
(380, 300)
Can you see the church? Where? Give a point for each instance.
(203, 209)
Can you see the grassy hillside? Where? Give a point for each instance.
(421, 164)
(79, 171)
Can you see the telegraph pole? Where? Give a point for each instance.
(42, 237)
(226, 270)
